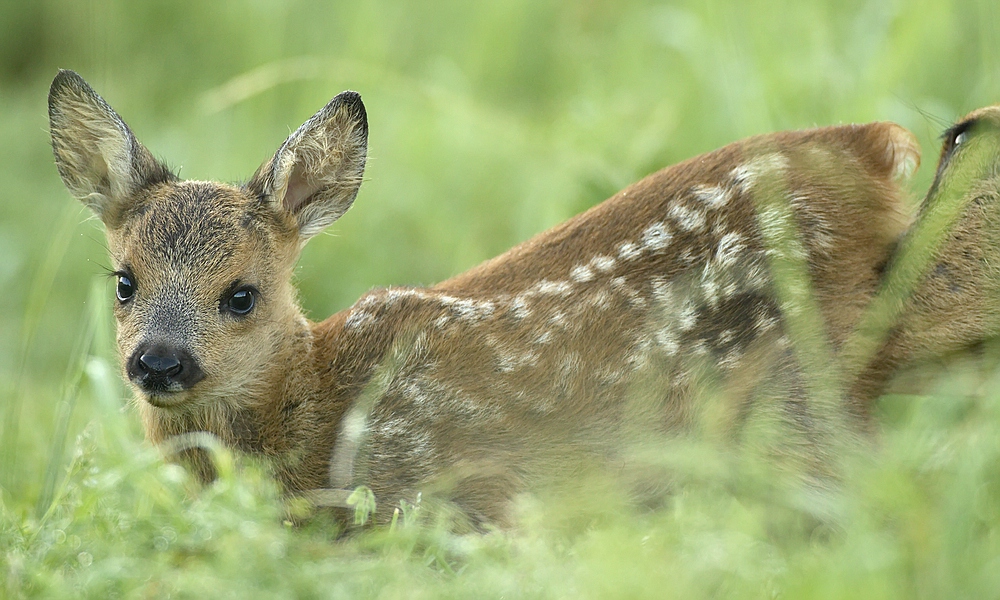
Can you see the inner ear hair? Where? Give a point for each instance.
(316, 173)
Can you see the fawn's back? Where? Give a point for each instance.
(504, 375)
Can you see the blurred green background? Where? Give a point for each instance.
(489, 121)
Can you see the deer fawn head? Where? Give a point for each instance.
(940, 293)
(206, 311)
(956, 303)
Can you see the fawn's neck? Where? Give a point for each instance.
(946, 315)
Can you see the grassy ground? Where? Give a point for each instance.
(489, 122)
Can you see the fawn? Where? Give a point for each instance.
(497, 378)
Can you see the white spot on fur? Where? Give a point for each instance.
(635, 299)
(394, 295)
(731, 360)
(519, 308)
(688, 316)
(666, 340)
(639, 358)
(559, 288)
(753, 275)
(629, 251)
(420, 347)
(608, 375)
(367, 302)
(688, 219)
(359, 318)
(765, 322)
(543, 338)
(581, 274)
(511, 361)
(569, 366)
(743, 178)
(656, 237)
(728, 249)
(601, 300)
(712, 195)
(663, 291)
(466, 310)
(559, 319)
(603, 263)
(710, 289)
(746, 175)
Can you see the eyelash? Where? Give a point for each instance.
(957, 135)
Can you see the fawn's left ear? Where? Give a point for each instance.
(315, 175)
(97, 155)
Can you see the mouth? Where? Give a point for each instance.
(162, 398)
(159, 393)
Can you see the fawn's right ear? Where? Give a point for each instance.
(315, 175)
(99, 159)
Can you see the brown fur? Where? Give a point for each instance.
(495, 380)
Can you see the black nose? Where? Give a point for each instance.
(159, 368)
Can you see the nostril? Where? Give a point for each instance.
(160, 365)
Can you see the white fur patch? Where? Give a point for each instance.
(559, 319)
(663, 291)
(569, 366)
(359, 318)
(656, 237)
(712, 195)
(581, 274)
(603, 263)
(728, 249)
(688, 316)
(629, 251)
(688, 219)
(601, 300)
(511, 361)
(666, 340)
(559, 288)
(746, 175)
(519, 307)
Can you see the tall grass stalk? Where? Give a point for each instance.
(41, 289)
(76, 371)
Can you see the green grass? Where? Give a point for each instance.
(489, 123)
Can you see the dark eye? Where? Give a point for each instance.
(125, 289)
(958, 135)
(241, 302)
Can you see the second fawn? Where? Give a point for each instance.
(500, 377)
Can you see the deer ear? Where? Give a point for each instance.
(315, 175)
(98, 158)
